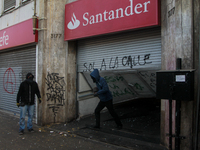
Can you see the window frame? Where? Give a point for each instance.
(23, 1)
(7, 9)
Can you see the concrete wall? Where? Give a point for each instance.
(196, 31)
(56, 65)
(177, 42)
(71, 105)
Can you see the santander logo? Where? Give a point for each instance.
(74, 23)
(112, 14)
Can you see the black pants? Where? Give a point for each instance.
(109, 106)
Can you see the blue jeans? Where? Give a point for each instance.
(23, 110)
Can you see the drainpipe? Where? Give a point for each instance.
(34, 26)
(198, 97)
(34, 17)
(34, 7)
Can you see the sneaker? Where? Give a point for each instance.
(31, 130)
(21, 132)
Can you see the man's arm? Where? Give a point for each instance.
(104, 87)
(38, 93)
(19, 94)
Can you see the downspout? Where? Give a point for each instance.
(198, 97)
(34, 7)
(34, 17)
(34, 26)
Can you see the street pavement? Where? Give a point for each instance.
(44, 140)
(141, 131)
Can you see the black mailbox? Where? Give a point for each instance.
(175, 85)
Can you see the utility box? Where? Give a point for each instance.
(175, 85)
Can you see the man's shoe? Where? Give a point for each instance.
(119, 127)
(31, 130)
(21, 132)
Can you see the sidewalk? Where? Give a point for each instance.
(141, 131)
(43, 138)
(141, 128)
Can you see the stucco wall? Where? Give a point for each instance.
(196, 17)
(177, 42)
(56, 65)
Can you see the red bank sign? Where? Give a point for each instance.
(85, 18)
(17, 35)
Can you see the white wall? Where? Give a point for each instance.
(1, 7)
(19, 14)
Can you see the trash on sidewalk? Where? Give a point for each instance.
(51, 131)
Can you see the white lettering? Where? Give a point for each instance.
(86, 19)
(92, 19)
(4, 39)
(97, 20)
(1, 41)
(131, 9)
(105, 12)
(111, 15)
(145, 6)
(117, 13)
(137, 7)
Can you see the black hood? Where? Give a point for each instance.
(29, 76)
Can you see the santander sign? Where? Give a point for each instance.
(85, 18)
(74, 23)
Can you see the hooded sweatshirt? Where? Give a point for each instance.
(27, 91)
(103, 89)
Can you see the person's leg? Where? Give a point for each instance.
(23, 110)
(109, 106)
(98, 109)
(30, 117)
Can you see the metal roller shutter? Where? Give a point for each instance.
(122, 51)
(9, 4)
(14, 65)
(128, 61)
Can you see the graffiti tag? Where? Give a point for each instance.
(55, 86)
(114, 63)
(9, 81)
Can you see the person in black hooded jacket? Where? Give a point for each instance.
(26, 101)
(106, 99)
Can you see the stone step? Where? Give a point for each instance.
(121, 138)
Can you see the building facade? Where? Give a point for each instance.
(18, 47)
(127, 41)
